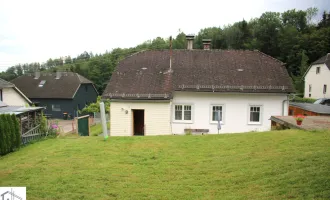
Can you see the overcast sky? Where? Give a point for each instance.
(37, 30)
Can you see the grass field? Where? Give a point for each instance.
(96, 129)
(271, 165)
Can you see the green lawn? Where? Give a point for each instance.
(271, 165)
(96, 129)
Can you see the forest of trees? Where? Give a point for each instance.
(294, 37)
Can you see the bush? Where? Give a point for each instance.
(303, 100)
(10, 136)
(95, 107)
(43, 123)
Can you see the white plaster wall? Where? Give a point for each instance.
(12, 98)
(317, 81)
(157, 118)
(236, 112)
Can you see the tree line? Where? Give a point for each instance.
(294, 37)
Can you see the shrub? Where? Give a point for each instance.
(303, 100)
(9, 134)
(95, 107)
(43, 123)
(17, 131)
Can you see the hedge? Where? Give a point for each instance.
(10, 136)
(303, 100)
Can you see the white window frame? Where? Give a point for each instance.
(223, 113)
(260, 115)
(56, 109)
(182, 120)
(310, 88)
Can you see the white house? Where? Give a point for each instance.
(164, 92)
(317, 79)
(11, 95)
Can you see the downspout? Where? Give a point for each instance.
(171, 109)
(286, 100)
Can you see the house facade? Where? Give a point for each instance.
(317, 79)
(58, 93)
(11, 95)
(168, 92)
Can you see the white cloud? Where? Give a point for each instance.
(40, 29)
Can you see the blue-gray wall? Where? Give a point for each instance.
(85, 94)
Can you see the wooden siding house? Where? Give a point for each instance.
(60, 92)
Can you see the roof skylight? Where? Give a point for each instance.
(42, 83)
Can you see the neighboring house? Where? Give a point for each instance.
(59, 92)
(317, 79)
(11, 95)
(161, 92)
(308, 109)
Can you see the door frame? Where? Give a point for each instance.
(143, 121)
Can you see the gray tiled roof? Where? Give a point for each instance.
(4, 84)
(317, 108)
(146, 74)
(65, 87)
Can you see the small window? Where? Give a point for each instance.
(255, 114)
(86, 88)
(56, 107)
(309, 95)
(187, 113)
(42, 83)
(1, 95)
(324, 89)
(318, 69)
(182, 112)
(215, 110)
(310, 88)
(178, 112)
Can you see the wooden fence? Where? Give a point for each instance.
(33, 134)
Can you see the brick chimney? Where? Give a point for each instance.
(207, 44)
(36, 75)
(58, 75)
(190, 41)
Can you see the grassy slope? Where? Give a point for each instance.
(270, 165)
(97, 129)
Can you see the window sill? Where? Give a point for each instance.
(182, 122)
(254, 123)
(215, 122)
